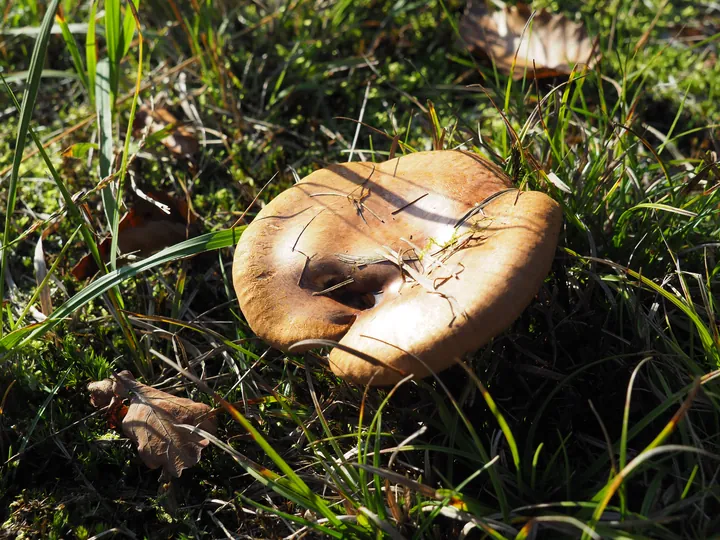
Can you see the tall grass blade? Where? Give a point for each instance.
(113, 30)
(91, 51)
(74, 50)
(103, 106)
(129, 26)
(128, 135)
(28, 104)
(199, 244)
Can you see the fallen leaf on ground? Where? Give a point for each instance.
(145, 229)
(176, 137)
(101, 393)
(116, 413)
(555, 43)
(151, 422)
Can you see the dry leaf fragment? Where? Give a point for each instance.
(151, 422)
(179, 139)
(554, 43)
(101, 393)
(145, 229)
(116, 413)
(41, 271)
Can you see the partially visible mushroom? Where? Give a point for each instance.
(427, 255)
(546, 45)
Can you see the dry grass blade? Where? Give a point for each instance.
(41, 272)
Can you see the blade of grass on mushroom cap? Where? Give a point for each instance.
(26, 109)
(193, 246)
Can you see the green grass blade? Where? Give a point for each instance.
(292, 477)
(706, 337)
(128, 27)
(115, 222)
(655, 206)
(639, 460)
(74, 50)
(28, 104)
(266, 477)
(625, 426)
(193, 246)
(103, 106)
(91, 52)
(112, 43)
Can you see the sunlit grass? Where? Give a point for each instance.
(595, 415)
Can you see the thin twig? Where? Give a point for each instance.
(357, 130)
(409, 204)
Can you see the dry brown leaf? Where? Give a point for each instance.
(145, 229)
(101, 393)
(552, 41)
(180, 140)
(116, 412)
(151, 422)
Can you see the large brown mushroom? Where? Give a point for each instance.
(425, 256)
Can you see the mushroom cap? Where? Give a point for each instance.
(412, 262)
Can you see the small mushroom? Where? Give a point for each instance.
(412, 262)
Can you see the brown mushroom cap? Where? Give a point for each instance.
(323, 261)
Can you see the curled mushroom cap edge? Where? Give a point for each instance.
(378, 258)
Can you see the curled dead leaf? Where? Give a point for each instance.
(101, 393)
(147, 227)
(116, 413)
(553, 42)
(160, 122)
(151, 422)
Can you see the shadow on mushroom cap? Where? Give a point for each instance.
(365, 253)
